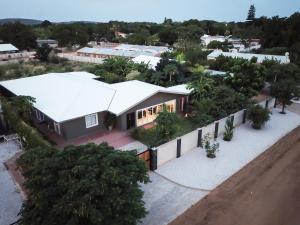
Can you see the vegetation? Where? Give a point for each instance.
(89, 184)
(258, 116)
(167, 124)
(110, 120)
(228, 134)
(284, 91)
(210, 146)
(30, 136)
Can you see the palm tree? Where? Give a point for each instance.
(201, 85)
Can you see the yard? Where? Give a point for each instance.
(195, 170)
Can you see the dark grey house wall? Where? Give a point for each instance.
(154, 100)
(76, 128)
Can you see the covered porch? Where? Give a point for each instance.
(115, 138)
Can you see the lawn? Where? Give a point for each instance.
(25, 69)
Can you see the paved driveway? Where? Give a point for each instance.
(165, 200)
(10, 198)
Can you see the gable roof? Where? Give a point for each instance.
(131, 93)
(62, 98)
(67, 96)
(7, 48)
(249, 56)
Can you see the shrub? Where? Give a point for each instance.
(210, 147)
(228, 134)
(167, 124)
(29, 135)
(258, 116)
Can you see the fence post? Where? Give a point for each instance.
(199, 142)
(245, 116)
(216, 129)
(153, 159)
(232, 118)
(178, 148)
(267, 104)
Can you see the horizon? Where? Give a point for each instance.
(148, 11)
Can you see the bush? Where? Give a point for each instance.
(228, 134)
(210, 147)
(29, 135)
(148, 137)
(258, 116)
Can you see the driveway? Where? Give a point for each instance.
(165, 200)
(10, 198)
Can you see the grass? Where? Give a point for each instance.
(150, 138)
(26, 69)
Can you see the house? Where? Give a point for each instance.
(51, 43)
(206, 39)
(151, 61)
(8, 49)
(76, 104)
(283, 59)
(10, 53)
(123, 50)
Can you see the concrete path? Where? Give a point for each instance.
(10, 198)
(165, 200)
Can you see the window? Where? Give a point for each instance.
(91, 120)
(150, 111)
(144, 113)
(140, 114)
(154, 109)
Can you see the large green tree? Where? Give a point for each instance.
(19, 35)
(89, 184)
(284, 91)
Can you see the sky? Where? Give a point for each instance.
(143, 10)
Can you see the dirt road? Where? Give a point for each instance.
(265, 192)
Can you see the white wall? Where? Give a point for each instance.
(73, 57)
(168, 151)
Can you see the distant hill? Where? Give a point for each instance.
(24, 21)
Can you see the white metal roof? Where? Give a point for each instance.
(183, 88)
(66, 96)
(7, 48)
(62, 98)
(152, 61)
(131, 93)
(249, 56)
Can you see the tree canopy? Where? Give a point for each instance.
(89, 184)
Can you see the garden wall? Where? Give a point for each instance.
(192, 140)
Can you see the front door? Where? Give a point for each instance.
(130, 120)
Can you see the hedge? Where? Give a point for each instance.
(30, 136)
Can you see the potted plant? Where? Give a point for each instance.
(109, 121)
(210, 148)
(228, 134)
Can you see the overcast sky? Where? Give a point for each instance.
(143, 10)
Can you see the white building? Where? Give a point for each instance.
(206, 39)
(151, 61)
(248, 56)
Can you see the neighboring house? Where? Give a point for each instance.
(206, 39)
(215, 72)
(8, 49)
(51, 43)
(121, 34)
(283, 59)
(123, 50)
(75, 104)
(8, 52)
(151, 61)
